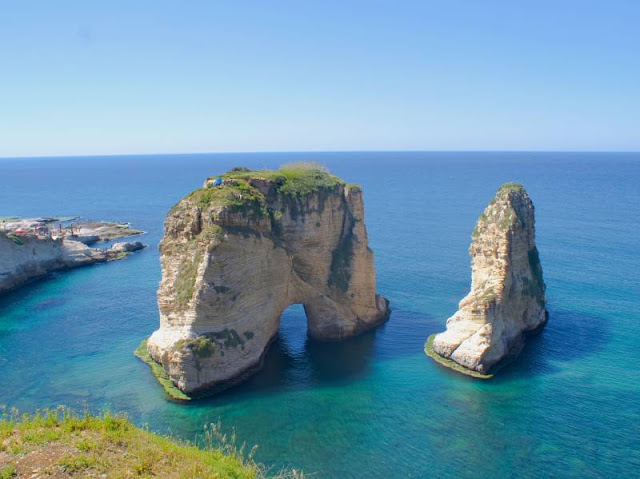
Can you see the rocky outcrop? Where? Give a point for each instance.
(127, 247)
(27, 256)
(507, 297)
(235, 255)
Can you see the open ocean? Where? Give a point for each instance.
(374, 406)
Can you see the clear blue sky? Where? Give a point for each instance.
(111, 77)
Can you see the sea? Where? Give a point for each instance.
(373, 406)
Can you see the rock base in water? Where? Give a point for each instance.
(507, 297)
(237, 252)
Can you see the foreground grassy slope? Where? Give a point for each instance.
(60, 444)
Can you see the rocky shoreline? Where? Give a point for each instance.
(34, 247)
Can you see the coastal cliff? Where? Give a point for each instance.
(507, 297)
(27, 255)
(237, 252)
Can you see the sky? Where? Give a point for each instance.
(136, 77)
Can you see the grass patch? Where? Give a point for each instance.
(511, 187)
(448, 363)
(158, 371)
(120, 450)
(7, 472)
(201, 346)
(292, 179)
(301, 181)
(237, 195)
(185, 282)
(239, 191)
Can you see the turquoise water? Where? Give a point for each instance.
(373, 406)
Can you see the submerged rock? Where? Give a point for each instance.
(237, 252)
(507, 297)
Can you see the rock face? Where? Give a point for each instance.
(127, 247)
(235, 256)
(507, 297)
(24, 257)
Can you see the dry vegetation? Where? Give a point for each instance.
(60, 444)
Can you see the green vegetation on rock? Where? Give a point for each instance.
(293, 179)
(184, 284)
(240, 192)
(449, 363)
(511, 187)
(58, 441)
(506, 221)
(158, 371)
(201, 346)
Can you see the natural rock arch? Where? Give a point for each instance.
(236, 255)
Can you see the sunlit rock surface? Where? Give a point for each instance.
(507, 297)
(235, 255)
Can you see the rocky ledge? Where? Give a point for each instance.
(507, 297)
(30, 248)
(241, 249)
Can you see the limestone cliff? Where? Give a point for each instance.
(507, 297)
(27, 256)
(235, 255)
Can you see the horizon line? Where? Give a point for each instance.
(110, 155)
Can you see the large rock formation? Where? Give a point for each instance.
(507, 297)
(235, 255)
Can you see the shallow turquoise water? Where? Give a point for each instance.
(373, 406)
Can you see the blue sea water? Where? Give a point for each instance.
(373, 406)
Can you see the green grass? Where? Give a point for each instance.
(7, 472)
(185, 282)
(158, 371)
(511, 187)
(291, 182)
(292, 179)
(85, 445)
(448, 363)
(201, 346)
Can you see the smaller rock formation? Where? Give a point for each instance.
(507, 297)
(127, 247)
(36, 247)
